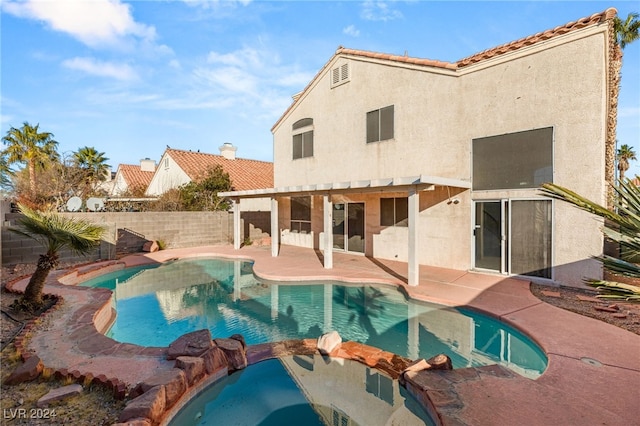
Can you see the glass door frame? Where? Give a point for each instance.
(505, 230)
(345, 234)
(506, 233)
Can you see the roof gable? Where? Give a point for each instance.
(245, 174)
(592, 20)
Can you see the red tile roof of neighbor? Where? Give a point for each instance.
(134, 176)
(594, 19)
(244, 174)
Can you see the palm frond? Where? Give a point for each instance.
(56, 232)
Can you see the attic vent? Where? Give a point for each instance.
(340, 75)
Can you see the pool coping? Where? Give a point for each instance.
(573, 389)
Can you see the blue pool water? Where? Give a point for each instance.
(303, 390)
(157, 305)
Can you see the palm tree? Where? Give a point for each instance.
(54, 232)
(93, 164)
(625, 154)
(29, 146)
(5, 173)
(623, 33)
(622, 226)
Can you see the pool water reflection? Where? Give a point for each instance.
(304, 390)
(157, 305)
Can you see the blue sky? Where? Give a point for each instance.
(131, 77)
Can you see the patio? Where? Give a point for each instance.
(592, 376)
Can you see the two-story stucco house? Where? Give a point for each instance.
(439, 163)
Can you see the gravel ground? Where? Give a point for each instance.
(96, 405)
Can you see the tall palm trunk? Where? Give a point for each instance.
(32, 177)
(32, 297)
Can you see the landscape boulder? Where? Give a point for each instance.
(150, 405)
(329, 342)
(193, 368)
(191, 344)
(151, 246)
(174, 382)
(58, 394)
(26, 372)
(214, 359)
(234, 352)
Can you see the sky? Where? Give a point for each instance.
(130, 78)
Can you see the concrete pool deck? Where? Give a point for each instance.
(593, 374)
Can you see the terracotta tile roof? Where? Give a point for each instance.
(594, 19)
(244, 174)
(134, 176)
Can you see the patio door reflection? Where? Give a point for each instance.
(348, 227)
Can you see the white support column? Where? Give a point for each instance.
(275, 229)
(328, 232)
(236, 224)
(414, 210)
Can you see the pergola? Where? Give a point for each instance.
(412, 185)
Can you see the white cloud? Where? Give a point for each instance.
(351, 31)
(209, 4)
(379, 11)
(95, 23)
(91, 66)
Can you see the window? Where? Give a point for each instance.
(340, 75)
(303, 138)
(166, 163)
(380, 124)
(301, 214)
(513, 161)
(394, 211)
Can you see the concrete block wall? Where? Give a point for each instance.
(127, 231)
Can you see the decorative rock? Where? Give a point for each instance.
(239, 338)
(234, 352)
(26, 372)
(605, 309)
(329, 342)
(191, 344)
(151, 246)
(150, 405)
(174, 382)
(58, 394)
(193, 368)
(440, 362)
(214, 360)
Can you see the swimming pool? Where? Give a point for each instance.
(304, 390)
(156, 305)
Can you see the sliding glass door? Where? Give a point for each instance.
(513, 237)
(348, 227)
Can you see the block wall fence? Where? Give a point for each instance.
(128, 231)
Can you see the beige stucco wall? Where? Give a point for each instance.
(560, 83)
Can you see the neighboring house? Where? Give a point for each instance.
(178, 167)
(438, 163)
(133, 180)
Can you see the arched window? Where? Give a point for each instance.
(302, 138)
